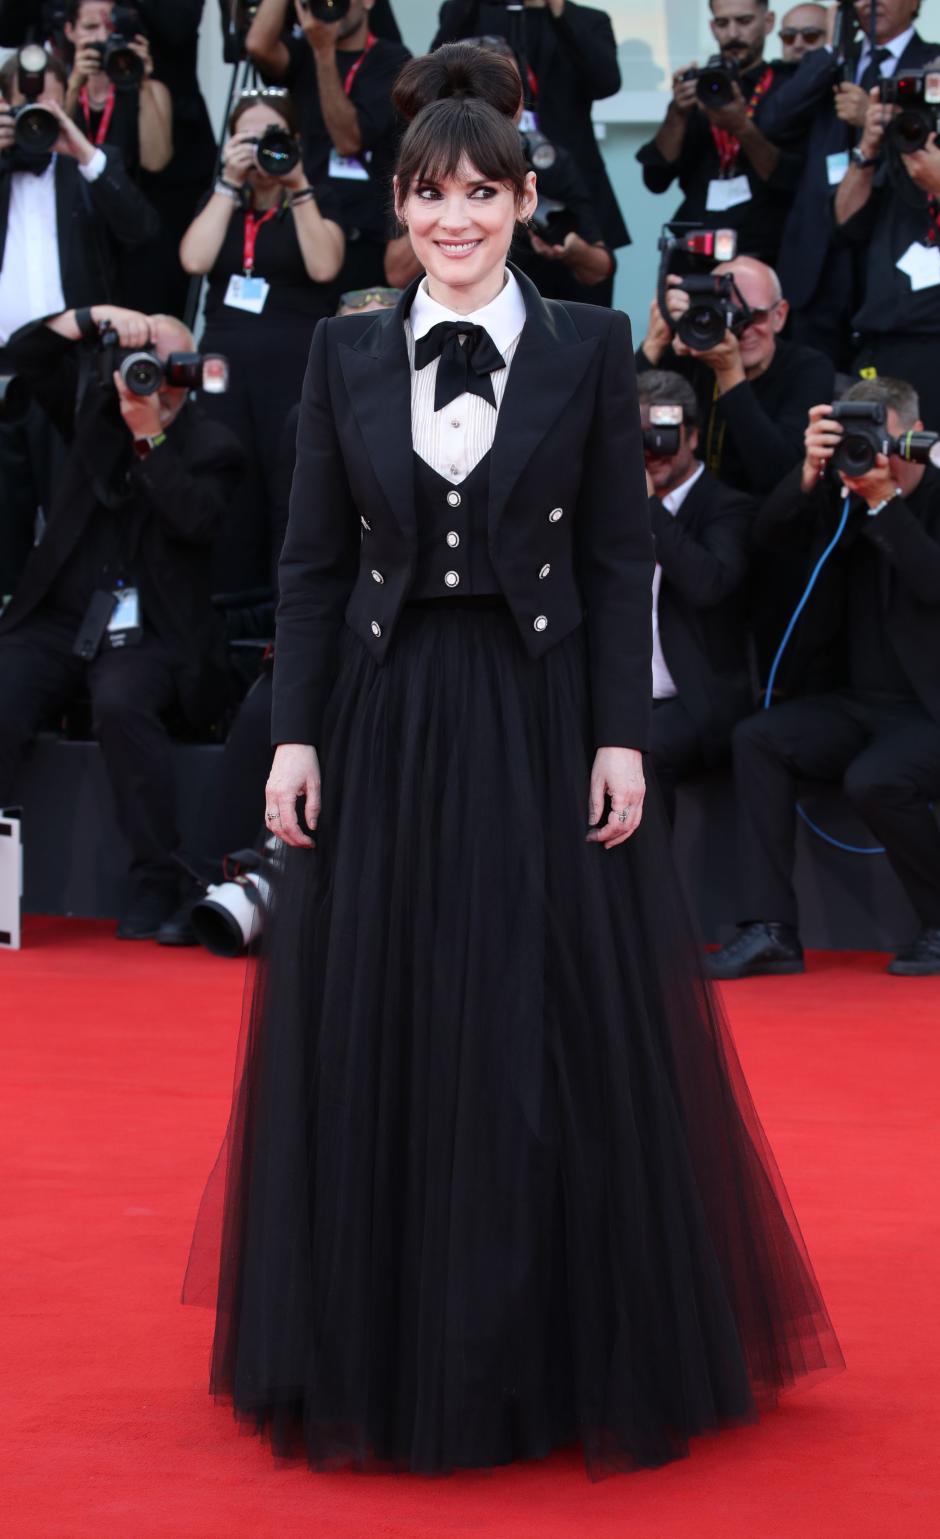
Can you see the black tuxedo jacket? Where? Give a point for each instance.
(180, 492)
(567, 490)
(907, 535)
(579, 66)
(804, 104)
(703, 551)
(93, 220)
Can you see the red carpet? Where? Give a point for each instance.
(116, 1078)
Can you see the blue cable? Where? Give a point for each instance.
(837, 844)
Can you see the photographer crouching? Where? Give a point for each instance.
(115, 598)
(865, 507)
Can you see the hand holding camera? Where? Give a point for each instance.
(853, 438)
(684, 94)
(321, 22)
(851, 103)
(877, 118)
(7, 136)
(238, 158)
(923, 166)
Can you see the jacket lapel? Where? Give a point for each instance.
(548, 367)
(378, 379)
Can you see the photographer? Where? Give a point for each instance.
(65, 215)
(701, 531)
(134, 117)
(731, 175)
(887, 207)
(754, 388)
(873, 622)
(115, 598)
(827, 98)
(570, 61)
(803, 28)
(341, 76)
(272, 258)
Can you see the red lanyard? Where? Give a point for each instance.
(729, 145)
(354, 69)
(253, 223)
(533, 81)
(106, 115)
(933, 233)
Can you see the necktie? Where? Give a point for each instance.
(871, 74)
(468, 356)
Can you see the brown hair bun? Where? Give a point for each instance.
(462, 70)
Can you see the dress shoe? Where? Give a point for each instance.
(178, 929)
(149, 906)
(921, 960)
(758, 950)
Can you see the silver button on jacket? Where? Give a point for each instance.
(544, 571)
(452, 579)
(376, 628)
(555, 515)
(377, 576)
(454, 499)
(540, 623)
(453, 538)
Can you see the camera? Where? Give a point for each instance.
(276, 151)
(715, 304)
(661, 438)
(14, 399)
(35, 128)
(144, 373)
(539, 152)
(715, 81)
(229, 918)
(866, 436)
(917, 93)
(123, 67)
(326, 10)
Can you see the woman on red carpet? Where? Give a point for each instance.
(493, 1181)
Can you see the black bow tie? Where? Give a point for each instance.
(21, 160)
(465, 366)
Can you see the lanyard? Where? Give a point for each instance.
(253, 223)
(728, 145)
(354, 69)
(106, 115)
(532, 78)
(933, 231)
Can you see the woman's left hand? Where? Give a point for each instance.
(617, 772)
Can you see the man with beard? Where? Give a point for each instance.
(731, 175)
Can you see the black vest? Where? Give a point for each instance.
(453, 558)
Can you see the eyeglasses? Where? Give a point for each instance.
(357, 299)
(809, 35)
(758, 317)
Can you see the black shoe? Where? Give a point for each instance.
(149, 906)
(757, 951)
(922, 960)
(178, 929)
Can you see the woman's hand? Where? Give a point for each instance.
(238, 158)
(617, 772)
(295, 772)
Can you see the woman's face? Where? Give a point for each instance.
(461, 229)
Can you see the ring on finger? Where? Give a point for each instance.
(272, 816)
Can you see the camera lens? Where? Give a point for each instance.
(855, 455)
(911, 130)
(703, 326)
(142, 373)
(124, 68)
(36, 130)
(278, 152)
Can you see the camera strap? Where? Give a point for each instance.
(352, 72)
(107, 113)
(253, 223)
(729, 145)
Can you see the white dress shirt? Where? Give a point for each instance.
(664, 686)
(452, 441)
(895, 48)
(31, 276)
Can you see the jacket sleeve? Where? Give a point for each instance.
(771, 445)
(587, 40)
(456, 19)
(708, 566)
(912, 550)
(789, 110)
(189, 492)
(49, 365)
(615, 553)
(121, 205)
(788, 518)
(318, 565)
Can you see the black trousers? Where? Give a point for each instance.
(907, 357)
(675, 750)
(887, 757)
(129, 689)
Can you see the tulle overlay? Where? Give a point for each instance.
(493, 1180)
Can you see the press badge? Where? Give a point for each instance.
(727, 192)
(528, 123)
(350, 168)
(124, 626)
(921, 264)
(244, 293)
(837, 164)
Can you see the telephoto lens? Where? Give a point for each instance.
(714, 85)
(35, 129)
(276, 151)
(142, 373)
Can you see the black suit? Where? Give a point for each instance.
(566, 490)
(875, 611)
(161, 512)
(818, 276)
(576, 65)
(703, 552)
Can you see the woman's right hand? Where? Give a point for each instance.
(238, 158)
(294, 773)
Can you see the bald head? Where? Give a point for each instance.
(758, 284)
(171, 336)
(802, 29)
(759, 287)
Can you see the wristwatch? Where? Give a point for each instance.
(144, 446)
(864, 162)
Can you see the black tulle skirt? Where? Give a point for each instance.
(493, 1181)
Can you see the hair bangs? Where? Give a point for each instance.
(451, 134)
